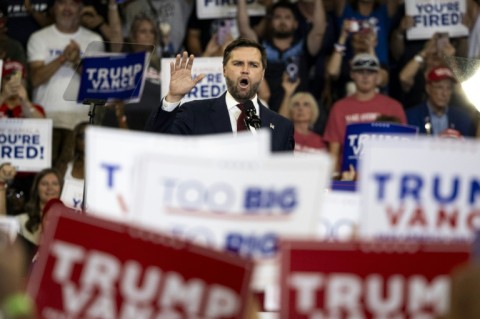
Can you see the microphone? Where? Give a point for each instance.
(251, 117)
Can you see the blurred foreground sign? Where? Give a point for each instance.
(360, 280)
(420, 189)
(241, 206)
(111, 155)
(91, 268)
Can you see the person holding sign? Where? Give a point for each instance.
(54, 53)
(244, 63)
(364, 106)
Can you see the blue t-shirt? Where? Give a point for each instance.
(379, 20)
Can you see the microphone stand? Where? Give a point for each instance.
(91, 120)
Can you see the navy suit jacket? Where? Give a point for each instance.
(459, 119)
(211, 116)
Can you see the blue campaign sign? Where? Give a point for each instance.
(114, 77)
(358, 133)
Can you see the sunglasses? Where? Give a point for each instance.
(365, 63)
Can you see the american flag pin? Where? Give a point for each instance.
(272, 126)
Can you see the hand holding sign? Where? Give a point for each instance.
(181, 81)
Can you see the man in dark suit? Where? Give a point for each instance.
(244, 63)
(437, 116)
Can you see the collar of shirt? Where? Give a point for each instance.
(439, 122)
(232, 103)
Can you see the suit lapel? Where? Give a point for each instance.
(265, 117)
(219, 116)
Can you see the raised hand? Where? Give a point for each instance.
(181, 81)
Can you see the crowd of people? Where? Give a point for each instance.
(329, 63)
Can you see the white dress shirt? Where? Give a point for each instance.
(233, 110)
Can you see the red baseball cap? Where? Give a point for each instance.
(440, 73)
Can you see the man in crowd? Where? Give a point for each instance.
(286, 51)
(54, 54)
(364, 106)
(244, 63)
(436, 116)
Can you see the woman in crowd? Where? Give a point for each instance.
(302, 109)
(74, 176)
(76, 167)
(47, 185)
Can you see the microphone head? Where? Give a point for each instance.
(248, 105)
(251, 117)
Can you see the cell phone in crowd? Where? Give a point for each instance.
(292, 68)
(442, 41)
(353, 26)
(223, 30)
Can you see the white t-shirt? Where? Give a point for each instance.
(46, 45)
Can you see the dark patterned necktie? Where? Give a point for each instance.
(241, 119)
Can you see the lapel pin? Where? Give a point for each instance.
(272, 126)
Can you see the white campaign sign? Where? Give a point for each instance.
(420, 189)
(111, 155)
(340, 215)
(214, 9)
(430, 16)
(26, 143)
(213, 85)
(241, 206)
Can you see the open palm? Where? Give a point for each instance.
(181, 81)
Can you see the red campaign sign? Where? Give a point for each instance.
(93, 268)
(361, 280)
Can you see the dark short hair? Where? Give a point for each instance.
(244, 43)
(284, 5)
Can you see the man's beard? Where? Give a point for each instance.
(283, 34)
(241, 96)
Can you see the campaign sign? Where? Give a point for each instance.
(431, 16)
(26, 143)
(91, 268)
(340, 215)
(420, 189)
(213, 85)
(361, 280)
(114, 77)
(214, 9)
(238, 205)
(357, 133)
(111, 154)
